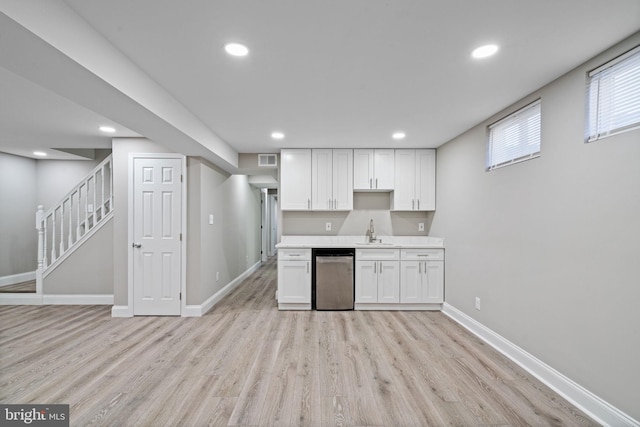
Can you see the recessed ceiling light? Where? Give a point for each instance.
(277, 135)
(484, 51)
(398, 135)
(107, 129)
(236, 49)
(40, 153)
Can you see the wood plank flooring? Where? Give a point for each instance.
(246, 364)
(23, 287)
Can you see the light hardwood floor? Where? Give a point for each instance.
(24, 287)
(245, 363)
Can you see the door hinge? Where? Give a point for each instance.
(180, 296)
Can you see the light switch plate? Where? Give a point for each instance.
(477, 303)
(327, 226)
(210, 219)
(421, 226)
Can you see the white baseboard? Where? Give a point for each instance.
(20, 299)
(398, 306)
(121, 311)
(17, 278)
(77, 299)
(201, 309)
(589, 403)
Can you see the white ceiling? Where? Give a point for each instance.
(329, 73)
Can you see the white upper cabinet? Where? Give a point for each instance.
(295, 179)
(415, 180)
(332, 179)
(373, 170)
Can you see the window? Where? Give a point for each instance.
(613, 92)
(515, 138)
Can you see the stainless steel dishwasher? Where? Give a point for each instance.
(333, 279)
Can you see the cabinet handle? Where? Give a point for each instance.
(375, 268)
(370, 183)
(413, 204)
(307, 266)
(308, 203)
(418, 204)
(380, 267)
(376, 182)
(335, 204)
(419, 268)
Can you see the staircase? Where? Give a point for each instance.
(71, 221)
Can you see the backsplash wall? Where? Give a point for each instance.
(366, 206)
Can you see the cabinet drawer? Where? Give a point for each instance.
(422, 254)
(294, 254)
(378, 254)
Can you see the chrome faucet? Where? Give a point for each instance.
(371, 232)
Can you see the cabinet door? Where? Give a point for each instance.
(362, 169)
(384, 167)
(295, 179)
(294, 281)
(321, 180)
(405, 181)
(411, 281)
(366, 281)
(388, 281)
(425, 180)
(433, 281)
(343, 180)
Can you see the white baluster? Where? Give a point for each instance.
(95, 207)
(70, 239)
(61, 228)
(102, 193)
(110, 185)
(86, 205)
(53, 236)
(45, 252)
(40, 228)
(78, 214)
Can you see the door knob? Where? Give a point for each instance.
(136, 245)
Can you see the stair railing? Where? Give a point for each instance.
(64, 225)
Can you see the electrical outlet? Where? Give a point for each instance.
(327, 226)
(421, 226)
(217, 276)
(477, 303)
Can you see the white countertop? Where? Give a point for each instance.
(360, 242)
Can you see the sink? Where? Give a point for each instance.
(374, 244)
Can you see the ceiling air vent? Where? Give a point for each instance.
(268, 160)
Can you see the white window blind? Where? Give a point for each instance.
(514, 138)
(613, 92)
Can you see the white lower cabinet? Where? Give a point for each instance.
(294, 279)
(422, 276)
(377, 276)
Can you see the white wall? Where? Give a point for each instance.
(551, 245)
(366, 206)
(88, 270)
(18, 237)
(57, 177)
(232, 243)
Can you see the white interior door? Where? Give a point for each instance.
(157, 207)
(264, 224)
